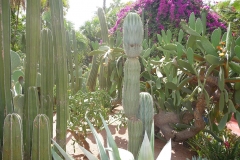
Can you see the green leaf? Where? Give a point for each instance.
(199, 26)
(88, 154)
(209, 48)
(221, 81)
(158, 83)
(166, 152)
(111, 141)
(237, 51)
(237, 42)
(186, 65)
(222, 122)
(204, 20)
(170, 46)
(180, 51)
(16, 74)
(191, 42)
(55, 155)
(231, 107)
(15, 61)
(216, 37)
(235, 67)
(236, 97)
(224, 37)
(96, 52)
(146, 53)
(238, 118)
(180, 36)
(190, 55)
(159, 37)
(64, 154)
(169, 36)
(221, 102)
(191, 21)
(103, 154)
(213, 60)
(171, 85)
(189, 30)
(164, 37)
(183, 82)
(145, 152)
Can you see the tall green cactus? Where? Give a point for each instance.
(146, 112)
(59, 39)
(33, 33)
(104, 27)
(41, 140)
(132, 43)
(2, 89)
(47, 74)
(12, 138)
(6, 51)
(92, 77)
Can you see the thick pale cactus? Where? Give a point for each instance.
(132, 43)
(132, 35)
(131, 87)
(135, 136)
(146, 112)
(12, 138)
(41, 140)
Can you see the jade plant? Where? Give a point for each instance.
(196, 84)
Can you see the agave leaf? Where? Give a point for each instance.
(166, 152)
(145, 151)
(111, 141)
(103, 154)
(87, 153)
(65, 155)
(55, 155)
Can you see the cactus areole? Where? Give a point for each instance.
(132, 35)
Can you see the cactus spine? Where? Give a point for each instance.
(12, 138)
(41, 144)
(132, 43)
(33, 34)
(146, 112)
(59, 41)
(47, 74)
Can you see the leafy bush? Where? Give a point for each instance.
(218, 149)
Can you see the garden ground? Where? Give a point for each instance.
(179, 151)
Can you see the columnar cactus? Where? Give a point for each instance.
(12, 138)
(132, 43)
(47, 74)
(146, 112)
(7, 58)
(59, 42)
(41, 140)
(33, 34)
(103, 23)
(135, 129)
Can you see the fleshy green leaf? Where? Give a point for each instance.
(111, 141)
(88, 154)
(223, 122)
(166, 152)
(64, 154)
(145, 152)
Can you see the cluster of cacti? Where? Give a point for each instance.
(25, 137)
(138, 107)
